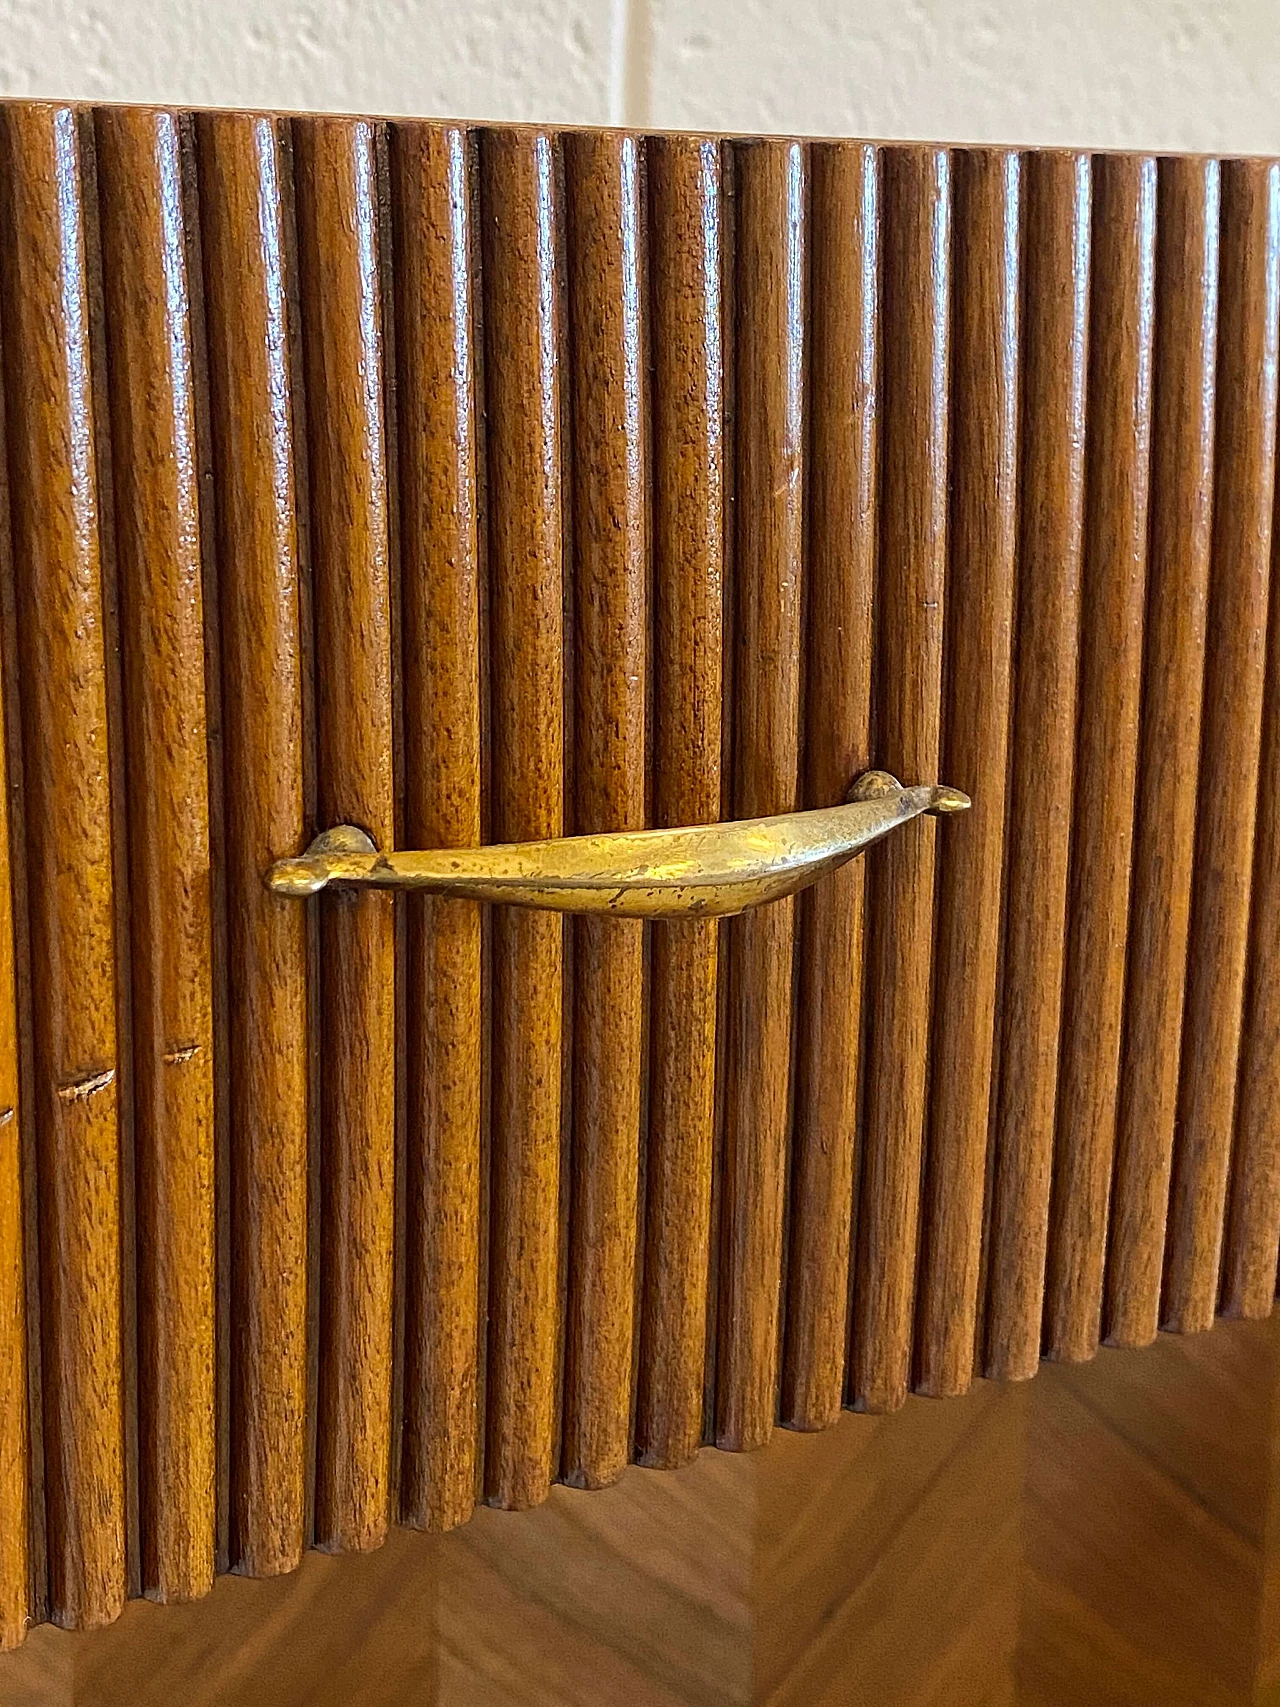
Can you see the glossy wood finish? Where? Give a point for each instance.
(1252, 1235)
(1149, 1513)
(251, 386)
(17, 1574)
(610, 596)
(479, 484)
(768, 487)
(1113, 585)
(1057, 229)
(843, 418)
(432, 175)
(979, 639)
(337, 194)
(53, 447)
(1181, 506)
(1248, 329)
(915, 339)
(686, 257)
(146, 237)
(520, 209)
(1105, 1535)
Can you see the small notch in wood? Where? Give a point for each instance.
(85, 1084)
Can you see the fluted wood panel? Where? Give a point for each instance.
(486, 484)
(433, 177)
(159, 534)
(685, 229)
(521, 210)
(339, 264)
(1179, 534)
(242, 166)
(610, 598)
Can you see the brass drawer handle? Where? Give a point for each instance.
(702, 871)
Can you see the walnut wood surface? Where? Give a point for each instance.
(915, 339)
(252, 405)
(1244, 495)
(982, 568)
(843, 420)
(337, 194)
(17, 1575)
(433, 178)
(146, 237)
(53, 445)
(1113, 586)
(686, 330)
(1181, 516)
(1105, 1535)
(768, 494)
(1051, 537)
(1252, 1234)
(610, 596)
(479, 484)
(520, 203)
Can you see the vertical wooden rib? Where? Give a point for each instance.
(1253, 1216)
(162, 619)
(15, 1488)
(843, 358)
(602, 196)
(1114, 575)
(1043, 733)
(980, 584)
(436, 409)
(57, 567)
(522, 354)
(337, 202)
(1248, 328)
(1173, 681)
(769, 487)
(688, 520)
(908, 689)
(251, 395)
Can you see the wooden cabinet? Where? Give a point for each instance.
(483, 485)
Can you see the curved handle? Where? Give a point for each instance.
(703, 871)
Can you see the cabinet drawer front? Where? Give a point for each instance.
(482, 485)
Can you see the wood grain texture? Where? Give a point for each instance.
(685, 248)
(915, 339)
(982, 571)
(1248, 340)
(433, 181)
(1181, 512)
(1055, 329)
(251, 386)
(57, 555)
(481, 485)
(769, 297)
(158, 529)
(887, 1562)
(610, 470)
(843, 403)
(338, 250)
(1149, 1522)
(521, 214)
(1252, 1238)
(17, 1565)
(1112, 597)
(340, 1632)
(638, 1593)
(961, 1553)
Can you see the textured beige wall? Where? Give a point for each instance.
(1121, 73)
